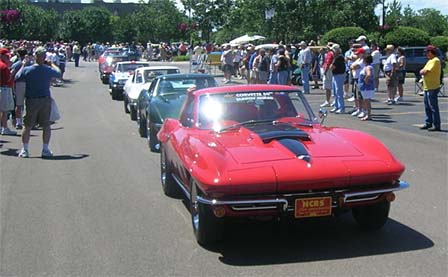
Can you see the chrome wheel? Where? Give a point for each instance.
(163, 168)
(169, 185)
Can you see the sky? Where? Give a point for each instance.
(441, 5)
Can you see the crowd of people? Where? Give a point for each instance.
(29, 68)
(351, 76)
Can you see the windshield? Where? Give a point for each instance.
(219, 111)
(180, 86)
(127, 67)
(150, 74)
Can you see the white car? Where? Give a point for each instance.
(139, 81)
(120, 75)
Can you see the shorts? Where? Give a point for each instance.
(356, 91)
(253, 74)
(347, 77)
(263, 75)
(376, 69)
(367, 94)
(19, 93)
(327, 79)
(227, 68)
(391, 79)
(37, 110)
(401, 76)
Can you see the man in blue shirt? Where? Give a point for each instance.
(37, 99)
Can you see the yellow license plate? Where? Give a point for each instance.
(312, 207)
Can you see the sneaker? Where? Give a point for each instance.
(19, 126)
(387, 100)
(421, 93)
(325, 104)
(333, 110)
(355, 113)
(398, 99)
(425, 127)
(24, 153)
(46, 153)
(226, 81)
(391, 102)
(361, 115)
(351, 99)
(333, 103)
(8, 132)
(340, 111)
(434, 129)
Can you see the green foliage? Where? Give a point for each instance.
(407, 36)
(181, 58)
(342, 35)
(440, 42)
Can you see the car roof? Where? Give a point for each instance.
(131, 62)
(243, 88)
(184, 75)
(157, 67)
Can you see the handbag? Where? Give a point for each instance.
(6, 99)
(55, 115)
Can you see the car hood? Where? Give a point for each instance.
(163, 107)
(283, 142)
(121, 75)
(302, 159)
(134, 91)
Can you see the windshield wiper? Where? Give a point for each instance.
(245, 123)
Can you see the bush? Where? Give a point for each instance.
(441, 42)
(407, 36)
(342, 35)
(181, 58)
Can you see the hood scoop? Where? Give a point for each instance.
(287, 135)
(268, 133)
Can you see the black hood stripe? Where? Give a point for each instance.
(296, 147)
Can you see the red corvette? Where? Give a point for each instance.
(258, 150)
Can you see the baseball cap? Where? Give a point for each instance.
(389, 47)
(430, 48)
(361, 38)
(335, 47)
(360, 51)
(5, 51)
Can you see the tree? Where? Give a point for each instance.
(407, 36)
(342, 35)
(433, 22)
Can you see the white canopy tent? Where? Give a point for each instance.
(246, 39)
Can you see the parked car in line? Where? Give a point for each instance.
(109, 58)
(121, 73)
(163, 99)
(139, 81)
(259, 151)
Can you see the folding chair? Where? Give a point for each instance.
(418, 87)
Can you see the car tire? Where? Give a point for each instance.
(133, 113)
(372, 217)
(142, 130)
(207, 228)
(151, 136)
(169, 185)
(125, 104)
(116, 95)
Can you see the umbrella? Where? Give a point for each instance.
(246, 38)
(266, 46)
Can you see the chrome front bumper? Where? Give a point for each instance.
(282, 201)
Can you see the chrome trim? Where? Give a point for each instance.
(212, 202)
(179, 183)
(401, 185)
(252, 208)
(362, 199)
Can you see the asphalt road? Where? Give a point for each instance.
(97, 208)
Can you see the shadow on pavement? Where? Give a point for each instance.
(257, 243)
(11, 152)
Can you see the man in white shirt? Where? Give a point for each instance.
(390, 72)
(305, 62)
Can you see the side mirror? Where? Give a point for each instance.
(323, 113)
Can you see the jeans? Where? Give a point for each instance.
(338, 91)
(432, 108)
(76, 56)
(283, 77)
(273, 78)
(306, 78)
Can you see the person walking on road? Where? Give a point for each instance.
(37, 100)
(6, 84)
(76, 53)
(431, 86)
